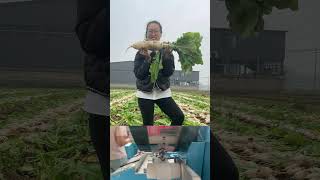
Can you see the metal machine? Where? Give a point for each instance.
(167, 153)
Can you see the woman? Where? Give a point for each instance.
(159, 93)
(119, 137)
(91, 29)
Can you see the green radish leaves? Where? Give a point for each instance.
(155, 67)
(188, 49)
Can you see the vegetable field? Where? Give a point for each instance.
(44, 135)
(125, 109)
(270, 136)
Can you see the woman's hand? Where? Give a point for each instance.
(167, 52)
(145, 53)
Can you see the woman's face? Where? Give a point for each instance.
(153, 32)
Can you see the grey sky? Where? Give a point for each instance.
(129, 18)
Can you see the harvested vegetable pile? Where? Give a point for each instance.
(187, 47)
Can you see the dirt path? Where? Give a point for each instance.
(195, 114)
(193, 100)
(122, 100)
(41, 122)
(262, 122)
(258, 152)
(257, 158)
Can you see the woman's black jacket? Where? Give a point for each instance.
(92, 31)
(141, 71)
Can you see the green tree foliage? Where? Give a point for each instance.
(246, 16)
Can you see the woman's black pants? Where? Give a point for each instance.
(167, 105)
(99, 132)
(223, 165)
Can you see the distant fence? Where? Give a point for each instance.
(302, 69)
(301, 72)
(34, 78)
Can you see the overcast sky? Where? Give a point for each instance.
(129, 18)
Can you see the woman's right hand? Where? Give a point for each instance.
(145, 53)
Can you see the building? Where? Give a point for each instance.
(244, 57)
(291, 37)
(122, 73)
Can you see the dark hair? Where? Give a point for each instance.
(150, 22)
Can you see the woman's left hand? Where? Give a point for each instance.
(167, 52)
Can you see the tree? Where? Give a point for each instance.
(246, 16)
